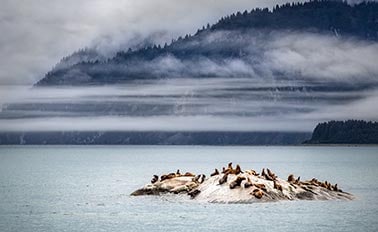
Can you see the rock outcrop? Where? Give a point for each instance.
(237, 186)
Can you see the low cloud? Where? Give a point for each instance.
(274, 55)
(323, 57)
(158, 123)
(208, 104)
(37, 34)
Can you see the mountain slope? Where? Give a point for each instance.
(233, 47)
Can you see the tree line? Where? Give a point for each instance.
(345, 132)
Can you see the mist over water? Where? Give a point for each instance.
(186, 104)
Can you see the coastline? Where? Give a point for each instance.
(194, 145)
(168, 138)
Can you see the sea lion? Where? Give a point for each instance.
(326, 184)
(277, 186)
(237, 170)
(196, 178)
(178, 172)
(216, 172)
(229, 169)
(202, 179)
(189, 174)
(233, 185)
(267, 177)
(291, 178)
(335, 188)
(329, 186)
(166, 177)
(194, 193)
(261, 186)
(154, 179)
(236, 182)
(223, 169)
(298, 180)
(223, 179)
(263, 172)
(306, 183)
(271, 174)
(258, 193)
(248, 184)
(315, 182)
(163, 177)
(252, 172)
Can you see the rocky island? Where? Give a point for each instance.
(233, 185)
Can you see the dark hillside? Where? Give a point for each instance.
(234, 38)
(345, 132)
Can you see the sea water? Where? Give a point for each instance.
(87, 188)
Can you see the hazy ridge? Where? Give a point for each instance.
(238, 45)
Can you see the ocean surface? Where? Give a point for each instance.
(87, 188)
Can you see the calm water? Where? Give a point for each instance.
(87, 189)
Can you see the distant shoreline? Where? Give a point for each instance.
(163, 145)
(338, 145)
(161, 138)
(214, 138)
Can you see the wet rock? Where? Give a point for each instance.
(236, 186)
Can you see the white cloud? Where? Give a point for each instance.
(157, 123)
(36, 34)
(215, 104)
(324, 57)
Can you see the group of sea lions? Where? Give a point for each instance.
(171, 175)
(313, 182)
(265, 185)
(257, 189)
(324, 184)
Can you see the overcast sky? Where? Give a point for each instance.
(36, 34)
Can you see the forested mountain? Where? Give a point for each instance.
(345, 132)
(327, 16)
(233, 47)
